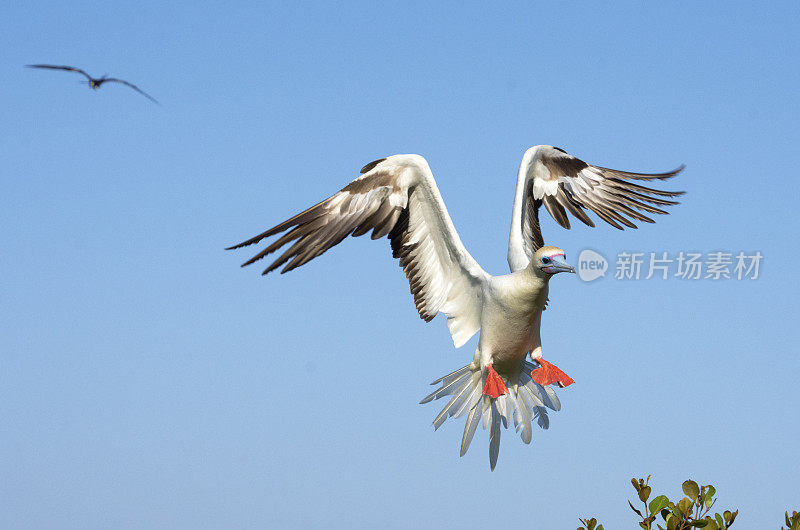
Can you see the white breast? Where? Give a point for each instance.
(511, 317)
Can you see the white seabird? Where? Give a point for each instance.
(398, 197)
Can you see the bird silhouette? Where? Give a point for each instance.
(94, 82)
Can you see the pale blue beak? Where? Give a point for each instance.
(559, 264)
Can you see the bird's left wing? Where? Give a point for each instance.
(395, 197)
(136, 88)
(567, 185)
(57, 67)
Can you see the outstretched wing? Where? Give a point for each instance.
(55, 67)
(136, 88)
(395, 197)
(568, 186)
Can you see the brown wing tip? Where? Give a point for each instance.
(643, 176)
(272, 268)
(371, 166)
(243, 244)
(673, 172)
(670, 174)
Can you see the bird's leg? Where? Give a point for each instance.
(548, 373)
(494, 386)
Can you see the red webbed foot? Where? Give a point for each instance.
(548, 373)
(494, 385)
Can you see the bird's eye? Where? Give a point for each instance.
(546, 260)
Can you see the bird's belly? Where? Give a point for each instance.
(507, 336)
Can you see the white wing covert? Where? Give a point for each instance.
(395, 197)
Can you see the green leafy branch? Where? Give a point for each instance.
(692, 511)
(590, 524)
(792, 522)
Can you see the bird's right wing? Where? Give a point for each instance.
(65, 68)
(395, 197)
(565, 184)
(136, 88)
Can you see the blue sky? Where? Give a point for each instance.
(147, 381)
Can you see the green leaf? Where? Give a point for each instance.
(659, 503)
(793, 521)
(720, 522)
(700, 523)
(600, 527)
(710, 496)
(635, 484)
(685, 506)
(644, 493)
(635, 510)
(691, 489)
(730, 516)
(712, 525)
(673, 523)
(591, 523)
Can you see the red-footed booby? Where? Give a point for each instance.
(397, 197)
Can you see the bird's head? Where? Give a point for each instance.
(550, 261)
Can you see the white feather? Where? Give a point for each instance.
(494, 436)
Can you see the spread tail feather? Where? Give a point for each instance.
(525, 402)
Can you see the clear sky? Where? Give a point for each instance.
(147, 381)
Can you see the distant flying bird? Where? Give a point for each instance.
(398, 197)
(94, 83)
